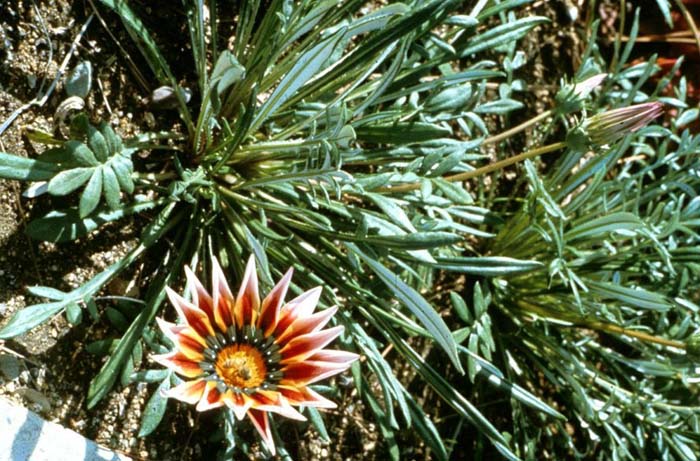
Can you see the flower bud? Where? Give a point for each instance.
(570, 97)
(612, 125)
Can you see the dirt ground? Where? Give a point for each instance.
(48, 370)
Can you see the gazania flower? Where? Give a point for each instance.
(254, 357)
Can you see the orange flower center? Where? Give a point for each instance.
(241, 365)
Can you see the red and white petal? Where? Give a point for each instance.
(304, 325)
(271, 305)
(188, 392)
(308, 372)
(238, 403)
(303, 396)
(300, 307)
(332, 355)
(222, 297)
(211, 398)
(262, 424)
(274, 402)
(171, 330)
(191, 314)
(190, 347)
(179, 363)
(248, 299)
(301, 347)
(200, 296)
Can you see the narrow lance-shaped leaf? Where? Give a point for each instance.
(306, 67)
(30, 317)
(92, 193)
(155, 409)
(416, 304)
(25, 169)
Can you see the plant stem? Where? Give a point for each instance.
(598, 326)
(516, 129)
(646, 337)
(691, 22)
(483, 170)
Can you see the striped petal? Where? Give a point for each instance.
(179, 363)
(191, 314)
(274, 402)
(248, 300)
(223, 298)
(270, 309)
(303, 396)
(303, 346)
(307, 372)
(262, 424)
(304, 325)
(238, 403)
(188, 392)
(211, 398)
(199, 294)
(335, 356)
(301, 306)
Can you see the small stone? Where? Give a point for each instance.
(9, 366)
(25, 377)
(35, 397)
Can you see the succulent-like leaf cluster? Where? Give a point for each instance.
(335, 140)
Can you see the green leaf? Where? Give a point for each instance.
(114, 142)
(150, 376)
(74, 314)
(117, 319)
(401, 133)
(427, 430)
(634, 297)
(414, 241)
(67, 181)
(25, 169)
(122, 169)
(614, 222)
(499, 35)
(98, 144)
(500, 107)
(102, 347)
(81, 153)
(65, 225)
(461, 307)
(47, 292)
(92, 193)
(317, 421)
(416, 304)
(155, 409)
(110, 187)
(393, 211)
(306, 66)
(30, 317)
(145, 42)
(105, 379)
(488, 266)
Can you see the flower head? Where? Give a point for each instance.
(250, 355)
(612, 125)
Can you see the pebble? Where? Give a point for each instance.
(25, 377)
(36, 397)
(9, 366)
